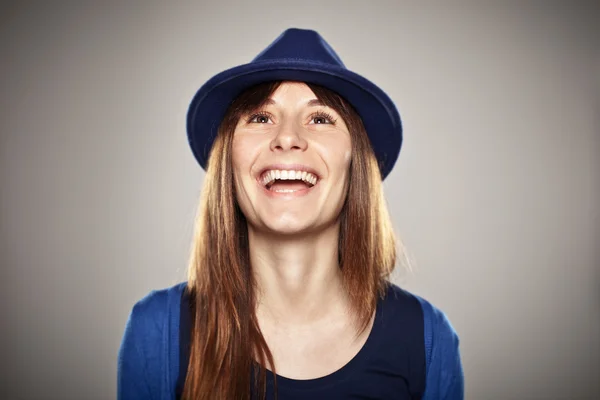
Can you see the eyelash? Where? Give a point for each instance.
(318, 114)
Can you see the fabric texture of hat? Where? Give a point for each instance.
(297, 55)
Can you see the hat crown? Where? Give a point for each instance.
(300, 44)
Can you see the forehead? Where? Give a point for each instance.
(293, 92)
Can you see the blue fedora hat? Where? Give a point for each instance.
(297, 55)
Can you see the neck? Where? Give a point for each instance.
(299, 280)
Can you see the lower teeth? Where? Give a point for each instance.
(285, 191)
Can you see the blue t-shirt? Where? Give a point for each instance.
(411, 353)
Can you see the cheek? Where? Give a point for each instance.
(343, 157)
(347, 156)
(240, 161)
(245, 149)
(237, 154)
(338, 155)
(243, 152)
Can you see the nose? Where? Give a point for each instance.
(289, 137)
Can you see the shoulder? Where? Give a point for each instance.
(439, 331)
(150, 315)
(436, 323)
(143, 359)
(156, 306)
(444, 373)
(403, 310)
(443, 368)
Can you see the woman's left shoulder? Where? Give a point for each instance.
(443, 362)
(436, 322)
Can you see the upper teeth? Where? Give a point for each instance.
(273, 174)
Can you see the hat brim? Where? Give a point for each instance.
(377, 111)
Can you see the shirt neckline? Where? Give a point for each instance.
(341, 374)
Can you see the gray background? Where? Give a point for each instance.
(496, 193)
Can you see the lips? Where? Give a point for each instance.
(288, 179)
(276, 177)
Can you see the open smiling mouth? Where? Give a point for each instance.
(283, 181)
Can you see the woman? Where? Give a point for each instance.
(288, 294)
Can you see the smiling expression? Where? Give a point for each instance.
(291, 161)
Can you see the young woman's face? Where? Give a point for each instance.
(291, 162)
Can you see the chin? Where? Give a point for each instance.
(289, 226)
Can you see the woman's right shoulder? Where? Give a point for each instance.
(157, 305)
(142, 361)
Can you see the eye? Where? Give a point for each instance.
(321, 117)
(259, 118)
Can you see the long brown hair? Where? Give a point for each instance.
(228, 352)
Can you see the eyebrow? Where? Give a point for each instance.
(310, 103)
(315, 102)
